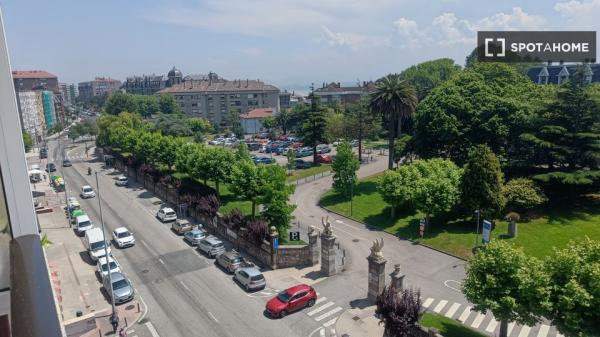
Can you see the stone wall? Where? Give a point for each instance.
(294, 256)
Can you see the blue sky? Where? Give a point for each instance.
(288, 43)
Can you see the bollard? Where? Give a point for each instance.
(100, 332)
(138, 305)
(78, 313)
(126, 321)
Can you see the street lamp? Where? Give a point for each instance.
(62, 170)
(113, 317)
(477, 212)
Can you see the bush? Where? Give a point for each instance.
(234, 220)
(257, 230)
(399, 311)
(208, 206)
(522, 194)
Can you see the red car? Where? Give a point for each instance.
(292, 299)
(324, 159)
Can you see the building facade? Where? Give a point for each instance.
(32, 113)
(151, 84)
(252, 121)
(73, 92)
(214, 100)
(48, 106)
(334, 93)
(38, 80)
(100, 86)
(560, 73)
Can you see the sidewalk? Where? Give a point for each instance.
(359, 322)
(98, 323)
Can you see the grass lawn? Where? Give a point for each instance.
(555, 228)
(299, 174)
(448, 327)
(293, 243)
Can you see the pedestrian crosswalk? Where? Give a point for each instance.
(325, 312)
(485, 323)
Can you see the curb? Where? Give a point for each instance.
(401, 238)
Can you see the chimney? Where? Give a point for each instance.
(246, 83)
(549, 63)
(561, 62)
(338, 85)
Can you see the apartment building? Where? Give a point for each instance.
(100, 86)
(151, 84)
(32, 113)
(335, 93)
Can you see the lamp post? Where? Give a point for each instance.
(113, 316)
(62, 171)
(477, 212)
(351, 195)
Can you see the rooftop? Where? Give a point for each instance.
(220, 86)
(257, 113)
(32, 74)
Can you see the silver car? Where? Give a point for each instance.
(250, 278)
(194, 236)
(211, 246)
(122, 289)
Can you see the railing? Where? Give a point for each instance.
(33, 310)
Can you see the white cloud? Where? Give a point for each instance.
(517, 20)
(252, 51)
(353, 41)
(408, 30)
(582, 14)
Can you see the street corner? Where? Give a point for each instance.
(359, 322)
(98, 323)
(287, 277)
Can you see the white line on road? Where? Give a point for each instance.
(152, 330)
(452, 310)
(427, 302)
(331, 322)
(185, 286)
(465, 315)
(145, 309)
(492, 325)
(543, 330)
(213, 317)
(440, 306)
(161, 261)
(511, 326)
(320, 299)
(477, 322)
(327, 314)
(524, 331)
(321, 308)
(448, 282)
(144, 243)
(322, 332)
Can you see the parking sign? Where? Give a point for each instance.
(487, 230)
(294, 236)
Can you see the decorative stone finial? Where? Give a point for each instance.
(376, 248)
(273, 230)
(327, 230)
(311, 229)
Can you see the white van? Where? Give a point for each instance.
(83, 224)
(94, 243)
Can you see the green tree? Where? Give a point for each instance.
(74, 133)
(482, 183)
(119, 102)
(173, 125)
(336, 126)
(219, 162)
(361, 124)
(521, 194)
(312, 130)
(281, 120)
(268, 123)
(395, 100)
(291, 159)
(242, 152)
(344, 167)
(246, 181)
(234, 122)
(502, 279)
(146, 146)
(27, 141)
(274, 198)
(167, 150)
(428, 75)
(167, 104)
(399, 187)
(574, 273)
(438, 189)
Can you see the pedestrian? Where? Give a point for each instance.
(44, 177)
(114, 321)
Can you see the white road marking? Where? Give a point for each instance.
(322, 332)
(558, 334)
(265, 293)
(477, 322)
(161, 261)
(130, 331)
(452, 310)
(465, 314)
(321, 308)
(339, 221)
(427, 302)
(320, 299)
(331, 322)
(440, 306)
(543, 330)
(153, 331)
(524, 331)
(329, 313)
(144, 243)
(185, 286)
(511, 326)
(213, 317)
(454, 285)
(332, 332)
(492, 325)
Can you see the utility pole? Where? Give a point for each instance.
(477, 228)
(113, 316)
(62, 170)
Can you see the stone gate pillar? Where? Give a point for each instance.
(313, 246)
(397, 278)
(328, 251)
(376, 271)
(273, 236)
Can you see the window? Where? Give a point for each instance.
(194, 105)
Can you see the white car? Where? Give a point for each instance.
(121, 181)
(123, 237)
(72, 203)
(103, 266)
(166, 214)
(87, 192)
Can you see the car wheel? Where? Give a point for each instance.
(311, 303)
(247, 288)
(283, 313)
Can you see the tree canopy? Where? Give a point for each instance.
(427, 75)
(482, 183)
(344, 167)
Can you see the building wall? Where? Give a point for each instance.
(98, 87)
(27, 84)
(32, 112)
(48, 105)
(252, 125)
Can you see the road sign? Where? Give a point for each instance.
(421, 227)
(294, 236)
(487, 230)
(275, 243)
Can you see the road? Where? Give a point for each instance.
(186, 294)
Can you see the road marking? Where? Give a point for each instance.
(185, 286)
(144, 243)
(492, 325)
(130, 331)
(213, 317)
(153, 331)
(558, 334)
(327, 314)
(320, 299)
(477, 322)
(440, 306)
(543, 330)
(161, 261)
(322, 332)
(446, 283)
(331, 322)
(265, 293)
(427, 302)
(145, 309)
(321, 308)
(339, 221)
(511, 326)
(452, 310)
(465, 315)
(524, 331)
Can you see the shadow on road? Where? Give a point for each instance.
(360, 303)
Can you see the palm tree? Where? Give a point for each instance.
(395, 100)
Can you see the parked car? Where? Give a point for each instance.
(122, 289)
(302, 164)
(264, 160)
(323, 148)
(230, 261)
(303, 152)
(67, 163)
(211, 246)
(123, 237)
(338, 142)
(83, 224)
(87, 192)
(105, 265)
(324, 159)
(121, 181)
(95, 244)
(194, 236)
(250, 278)
(50, 167)
(43, 153)
(181, 226)
(291, 299)
(72, 204)
(166, 214)
(354, 143)
(76, 212)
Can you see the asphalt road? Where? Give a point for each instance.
(186, 294)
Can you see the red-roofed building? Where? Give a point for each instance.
(35, 80)
(252, 120)
(30, 87)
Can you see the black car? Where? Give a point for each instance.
(67, 163)
(50, 167)
(302, 164)
(43, 153)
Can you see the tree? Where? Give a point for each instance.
(399, 311)
(167, 150)
(336, 126)
(208, 206)
(344, 167)
(218, 165)
(574, 272)
(242, 152)
(399, 187)
(167, 104)
(234, 220)
(119, 102)
(234, 122)
(258, 230)
(173, 125)
(246, 182)
(274, 198)
(312, 131)
(428, 75)
(502, 279)
(27, 141)
(361, 124)
(74, 133)
(438, 188)
(482, 183)
(291, 159)
(268, 123)
(521, 194)
(282, 119)
(395, 100)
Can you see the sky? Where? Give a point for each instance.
(288, 43)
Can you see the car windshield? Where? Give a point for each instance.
(257, 278)
(113, 265)
(123, 235)
(170, 213)
(87, 189)
(84, 223)
(218, 245)
(122, 179)
(283, 296)
(236, 260)
(97, 245)
(122, 283)
(198, 235)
